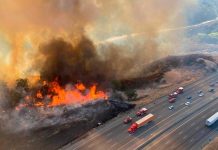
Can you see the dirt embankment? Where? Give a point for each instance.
(213, 145)
(165, 75)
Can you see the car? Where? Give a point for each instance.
(212, 84)
(172, 100)
(173, 95)
(180, 90)
(211, 90)
(201, 94)
(99, 124)
(189, 97)
(171, 107)
(127, 120)
(187, 103)
(141, 112)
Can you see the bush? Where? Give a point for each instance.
(131, 94)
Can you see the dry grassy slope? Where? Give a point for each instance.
(213, 145)
(186, 77)
(176, 71)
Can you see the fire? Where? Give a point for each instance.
(72, 95)
(80, 87)
(78, 94)
(39, 95)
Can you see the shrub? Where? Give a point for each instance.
(131, 94)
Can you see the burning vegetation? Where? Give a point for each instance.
(69, 75)
(52, 94)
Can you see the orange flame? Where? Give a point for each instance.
(77, 94)
(73, 96)
(57, 95)
(39, 95)
(80, 86)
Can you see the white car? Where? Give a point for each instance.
(171, 107)
(99, 124)
(187, 103)
(201, 94)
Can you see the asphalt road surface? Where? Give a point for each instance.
(181, 128)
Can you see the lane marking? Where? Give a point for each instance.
(167, 142)
(184, 137)
(180, 132)
(113, 145)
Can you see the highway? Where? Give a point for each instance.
(181, 128)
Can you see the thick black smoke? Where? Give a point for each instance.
(67, 63)
(82, 62)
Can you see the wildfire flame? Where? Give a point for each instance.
(73, 95)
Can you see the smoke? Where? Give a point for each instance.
(28, 28)
(69, 63)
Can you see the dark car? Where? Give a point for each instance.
(211, 90)
(189, 97)
(199, 92)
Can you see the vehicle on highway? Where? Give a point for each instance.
(212, 84)
(211, 90)
(141, 112)
(189, 97)
(127, 120)
(171, 107)
(212, 119)
(180, 90)
(99, 124)
(173, 95)
(141, 122)
(187, 103)
(201, 94)
(172, 100)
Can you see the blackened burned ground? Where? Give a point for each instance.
(80, 120)
(182, 128)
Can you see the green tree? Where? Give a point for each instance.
(131, 94)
